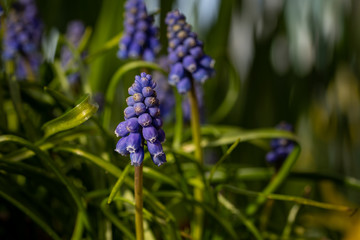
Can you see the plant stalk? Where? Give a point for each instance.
(196, 135)
(138, 191)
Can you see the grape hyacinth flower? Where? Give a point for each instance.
(142, 123)
(280, 147)
(140, 36)
(74, 33)
(186, 55)
(22, 39)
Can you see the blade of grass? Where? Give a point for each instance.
(244, 136)
(113, 218)
(115, 171)
(118, 183)
(79, 228)
(248, 224)
(29, 212)
(222, 159)
(47, 161)
(299, 200)
(276, 181)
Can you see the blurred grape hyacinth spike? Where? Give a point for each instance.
(22, 38)
(185, 54)
(280, 147)
(142, 123)
(74, 33)
(140, 36)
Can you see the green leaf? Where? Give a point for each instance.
(228, 152)
(110, 93)
(158, 176)
(73, 118)
(230, 137)
(114, 219)
(278, 179)
(23, 205)
(248, 224)
(47, 161)
(230, 98)
(118, 184)
(115, 171)
(295, 199)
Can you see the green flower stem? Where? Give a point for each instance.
(198, 192)
(138, 192)
(179, 122)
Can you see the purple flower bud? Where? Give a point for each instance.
(154, 111)
(133, 142)
(131, 91)
(190, 42)
(121, 130)
(150, 133)
(201, 75)
(151, 102)
(140, 38)
(157, 122)
(142, 25)
(189, 63)
(173, 43)
(176, 73)
(144, 81)
(148, 55)
(137, 157)
(271, 157)
(207, 62)
(130, 101)
(129, 112)
(173, 57)
(132, 125)
(181, 51)
(147, 91)
(134, 50)
(184, 85)
(196, 52)
(121, 146)
(155, 147)
(140, 108)
(159, 159)
(138, 97)
(161, 136)
(145, 120)
(137, 87)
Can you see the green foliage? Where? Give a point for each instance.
(59, 169)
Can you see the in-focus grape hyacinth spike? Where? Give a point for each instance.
(140, 36)
(185, 54)
(280, 147)
(142, 123)
(22, 39)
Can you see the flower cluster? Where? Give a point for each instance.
(74, 33)
(142, 123)
(22, 39)
(280, 147)
(186, 54)
(140, 36)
